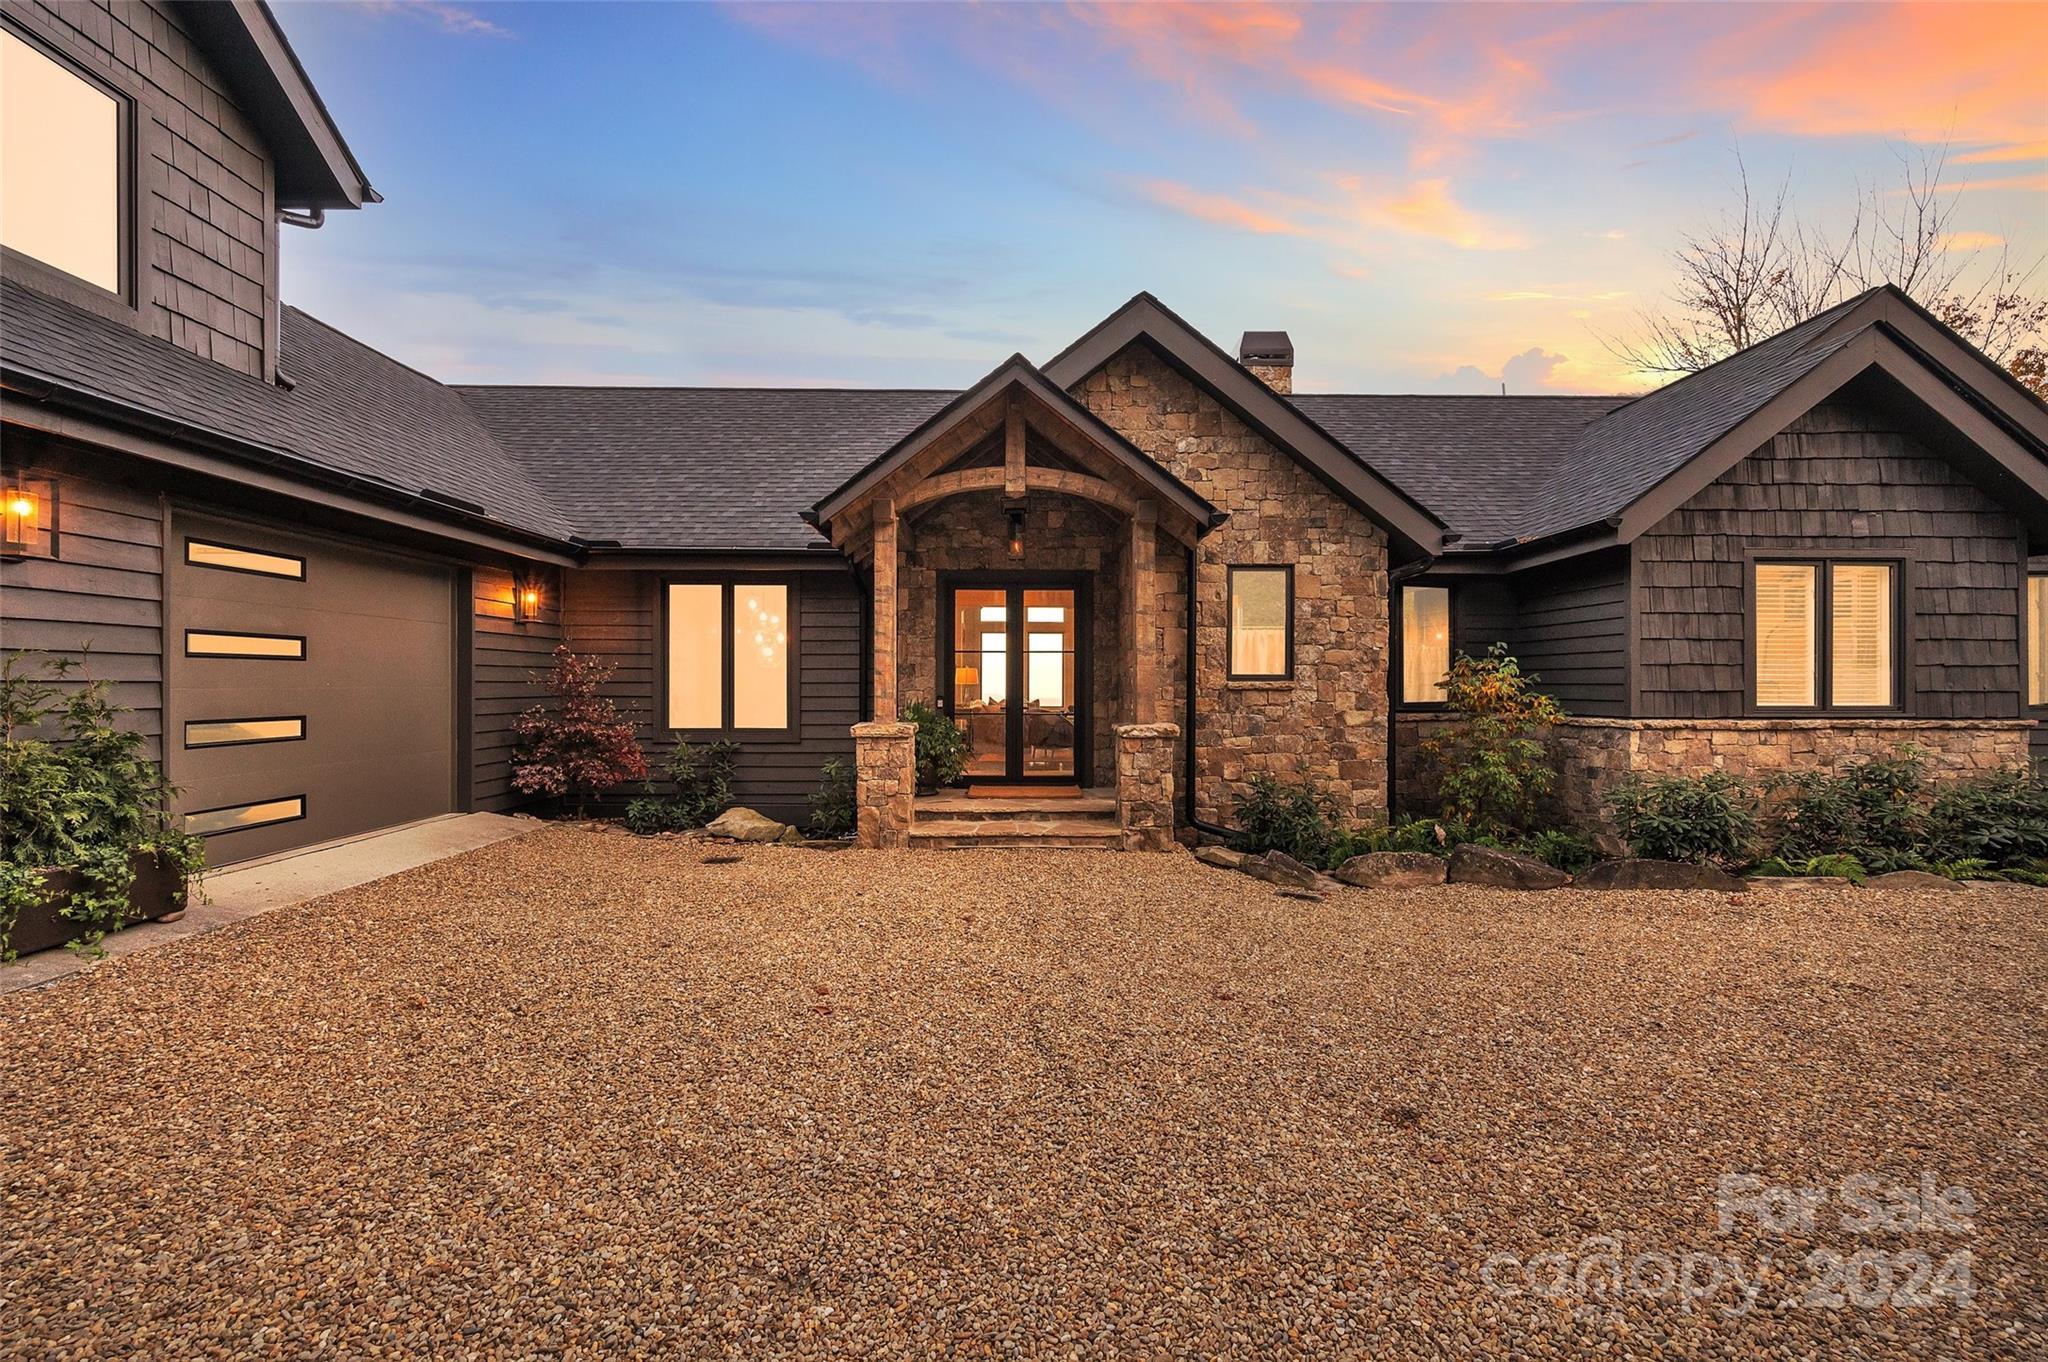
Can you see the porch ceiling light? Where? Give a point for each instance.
(1016, 532)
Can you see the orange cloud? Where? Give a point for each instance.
(1426, 208)
(1970, 241)
(2019, 151)
(1220, 209)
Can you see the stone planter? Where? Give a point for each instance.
(158, 889)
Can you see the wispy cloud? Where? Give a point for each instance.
(1427, 208)
(1348, 213)
(2016, 151)
(1970, 241)
(448, 18)
(1220, 209)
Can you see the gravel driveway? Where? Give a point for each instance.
(580, 1095)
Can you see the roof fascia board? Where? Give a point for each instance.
(126, 439)
(1919, 329)
(637, 559)
(918, 440)
(1539, 553)
(1144, 318)
(1874, 348)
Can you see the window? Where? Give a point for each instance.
(228, 558)
(1261, 611)
(1425, 643)
(60, 165)
(242, 732)
(2037, 640)
(235, 817)
(1849, 663)
(728, 656)
(225, 643)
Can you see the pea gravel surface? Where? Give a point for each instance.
(579, 1095)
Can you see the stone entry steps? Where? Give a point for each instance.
(952, 820)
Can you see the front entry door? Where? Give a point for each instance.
(1013, 657)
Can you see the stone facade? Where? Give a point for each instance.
(885, 783)
(1592, 756)
(1330, 722)
(1144, 784)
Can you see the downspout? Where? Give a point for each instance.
(1188, 729)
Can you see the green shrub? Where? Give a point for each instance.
(1871, 810)
(941, 746)
(1568, 851)
(1708, 820)
(1493, 767)
(832, 803)
(702, 777)
(1437, 836)
(2001, 819)
(1835, 863)
(89, 802)
(1290, 816)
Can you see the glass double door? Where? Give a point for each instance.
(1014, 666)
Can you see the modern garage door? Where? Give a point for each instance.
(312, 687)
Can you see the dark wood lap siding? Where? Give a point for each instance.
(1568, 626)
(504, 655)
(617, 615)
(102, 598)
(1841, 478)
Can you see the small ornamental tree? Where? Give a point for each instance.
(579, 746)
(1493, 766)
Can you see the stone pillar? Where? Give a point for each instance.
(885, 782)
(882, 629)
(1144, 785)
(1142, 591)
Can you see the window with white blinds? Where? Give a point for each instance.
(1823, 635)
(1787, 640)
(2037, 640)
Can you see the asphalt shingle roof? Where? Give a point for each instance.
(700, 468)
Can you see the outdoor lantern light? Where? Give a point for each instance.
(1016, 532)
(25, 519)
(526, 600)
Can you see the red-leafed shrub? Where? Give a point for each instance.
(579, 746)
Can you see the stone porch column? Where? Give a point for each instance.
(885, 782)
(1144, 785)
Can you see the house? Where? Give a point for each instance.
(322, 579)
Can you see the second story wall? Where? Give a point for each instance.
(202, 184)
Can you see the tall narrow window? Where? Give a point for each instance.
(1860, 635)
(1425, 643)
(2037, 640)
(1787, 635)
(60, 165)
(1261, 632)
(728, 656)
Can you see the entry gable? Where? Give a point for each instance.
(1144, 319)
(1015, 400)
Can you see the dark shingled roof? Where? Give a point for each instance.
(1480, 463)
(699, 468)
(354, 412)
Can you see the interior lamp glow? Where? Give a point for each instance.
(1016, 533)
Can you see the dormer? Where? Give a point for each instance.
(149, 152)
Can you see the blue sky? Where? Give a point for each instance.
(1429, 198)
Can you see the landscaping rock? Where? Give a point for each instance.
(1801, 883)
(1223, 858)
(1472, 864)
(791, 837)
(1913, 879)
(744, 825)
(1635, 873)
(1392, 870)
(1277, 867)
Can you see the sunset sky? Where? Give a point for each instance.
(1429, 198)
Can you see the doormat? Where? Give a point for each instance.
(1023, 792)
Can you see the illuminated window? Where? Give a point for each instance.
(266, 647)
(228, 558)
(1261, 629)
(239, 732)
(1849, 664)
(2037, 640)
(728, 656)
(1425, 643)
(236, 817)
(60, 165)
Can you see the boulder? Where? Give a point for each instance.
(1913, 879)
(1634, 873)
(1801, 883)
(1392, 870)
(1223, 858)
(744, 825)
(1277, 867)
(1472, 864)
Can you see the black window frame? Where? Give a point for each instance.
(123, 301)
(1230, 621)
(1398, 666)
(1824, 633)
(729, 582)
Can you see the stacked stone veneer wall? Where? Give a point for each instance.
(1145, 784)
(1330, 722)
(1592, 756)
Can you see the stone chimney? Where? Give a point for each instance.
(1270, 357)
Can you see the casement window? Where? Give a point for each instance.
(2037, 640)
(62, 165)
(729, 649)
(1824, 634)
(1425, 643)
(1261, 619)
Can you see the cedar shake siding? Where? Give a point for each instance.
(1567, 626)
(617, 615)
(205, 256)
(505, 654)
(1842, 478)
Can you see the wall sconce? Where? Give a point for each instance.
(28, 518)
(1016, 532)
(525, 599)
